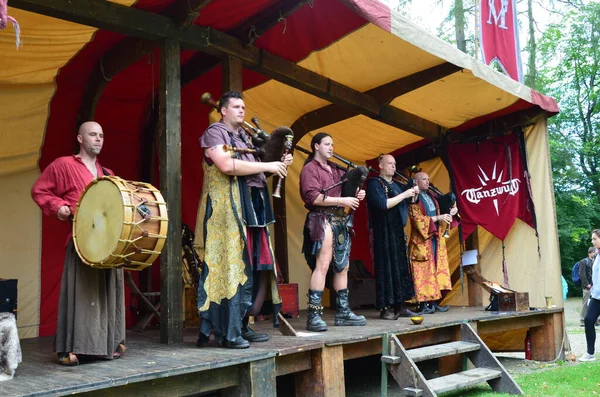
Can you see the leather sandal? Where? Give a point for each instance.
(68, 359)
(121, 349)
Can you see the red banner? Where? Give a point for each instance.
(487, 192)
(499, 36)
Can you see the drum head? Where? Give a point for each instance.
(99, 221)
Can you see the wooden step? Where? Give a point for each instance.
(462, 379)
(442, 350)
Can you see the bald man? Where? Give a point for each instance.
(91, 307)
(427, 249)
(388, 213)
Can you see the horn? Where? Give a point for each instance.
(208, 99)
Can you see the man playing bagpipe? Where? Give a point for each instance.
(427, 247)
(326, 235)
(238, 265)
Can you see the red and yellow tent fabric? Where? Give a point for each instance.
(359, 43)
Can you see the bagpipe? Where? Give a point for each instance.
(353, 180)
(445, 201)
(267, 147)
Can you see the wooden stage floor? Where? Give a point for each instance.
(152, 368)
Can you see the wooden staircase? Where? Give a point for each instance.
(402, 364)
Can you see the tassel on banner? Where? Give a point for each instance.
(4, 18)
(504, 269)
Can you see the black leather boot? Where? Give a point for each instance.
(403, 311)
(314, 322)
(343, 314)
(250, 335)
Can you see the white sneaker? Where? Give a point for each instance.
(587, 357)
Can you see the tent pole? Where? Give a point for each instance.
(169, 125)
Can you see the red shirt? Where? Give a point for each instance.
(314, 177)
(62, 183)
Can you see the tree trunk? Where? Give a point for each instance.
(459, 25)
(531, 69)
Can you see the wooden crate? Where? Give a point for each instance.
(289, 296)
(513, 301)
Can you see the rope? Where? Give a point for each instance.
(4, 18)
(280, 19)
(102, 70)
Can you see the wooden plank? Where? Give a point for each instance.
(546, 339)
(256, 379)
(231, 73)
(292, 363)
(483, 358)
(134, 22)
(437, 351)
(427, 337)
(169, 122)
(385, 93)
(180, 385)
(326, 376)
(462, 379)
(370, 347)
(510, 324)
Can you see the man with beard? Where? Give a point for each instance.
(427, 248)
(91, 307)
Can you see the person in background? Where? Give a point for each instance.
(593, 309)
(585, 275)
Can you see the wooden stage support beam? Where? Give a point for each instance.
(546, 340)
(256, 379)
(326, 376)
(169, 124)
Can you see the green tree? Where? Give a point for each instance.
(569, 71)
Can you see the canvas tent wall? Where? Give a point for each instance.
(358, 43)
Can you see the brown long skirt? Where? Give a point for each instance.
(91, 308)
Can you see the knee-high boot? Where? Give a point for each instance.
(314, 322)
(343, 314)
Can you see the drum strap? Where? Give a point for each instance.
(105, 172)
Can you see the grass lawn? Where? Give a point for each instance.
(567, 381)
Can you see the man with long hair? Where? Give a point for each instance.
(326, 236)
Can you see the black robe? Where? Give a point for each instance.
(394, 283)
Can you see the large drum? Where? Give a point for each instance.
(120, 223)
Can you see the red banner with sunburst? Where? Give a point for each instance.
(490, 185)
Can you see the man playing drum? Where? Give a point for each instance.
(238, 265)
(91, 308)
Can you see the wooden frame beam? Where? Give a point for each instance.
(169, 124)
(385, 93)
(134, 22)
(129, 51)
